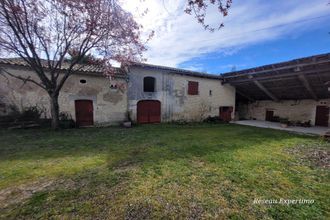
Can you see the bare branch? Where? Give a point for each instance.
(27, 79)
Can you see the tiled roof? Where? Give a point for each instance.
(98, 69)
(177, 71)
(82, 68)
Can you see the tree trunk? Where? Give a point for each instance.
(55, 111)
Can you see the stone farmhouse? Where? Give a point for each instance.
(148, 93)
(297, 89)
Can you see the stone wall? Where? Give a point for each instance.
(110, 105)
(171, 90)
(295, 110)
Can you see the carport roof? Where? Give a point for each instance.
(304, 78)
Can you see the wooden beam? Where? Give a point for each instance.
(277, 76)
(308, 87)
(244, 95)
(273, 68)
(266, 91)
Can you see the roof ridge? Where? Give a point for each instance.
(178, 70)
(93, 68)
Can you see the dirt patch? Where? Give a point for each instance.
(195, 211)
(18, 194)
(317, 156)
(125, 166)
(320, 157)
(140, 210)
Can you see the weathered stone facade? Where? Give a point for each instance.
(294, 110)
(171, 90)
(109, 105)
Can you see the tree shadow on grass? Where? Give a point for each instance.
(194, 139)
(170, 143)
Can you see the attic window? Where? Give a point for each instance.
(149, 84)
(83, 81)
(113, 86)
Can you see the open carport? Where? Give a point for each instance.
(296, 90)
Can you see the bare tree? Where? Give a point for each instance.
(43, 32)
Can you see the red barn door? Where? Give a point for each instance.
(84, 112)
(225, 113)
(148, 111)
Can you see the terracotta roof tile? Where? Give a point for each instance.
(82, 68)
(177, 70)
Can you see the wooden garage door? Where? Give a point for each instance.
(148, 111)
(322, 116)
(84, 112)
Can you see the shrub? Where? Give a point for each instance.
(212, 119)
(66, 120)
(181, 121)
(284, 120)
(63, 116)
(31, 113)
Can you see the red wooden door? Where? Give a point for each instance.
(225, 113)
(84, 112)
(322, 116)
(148, 111)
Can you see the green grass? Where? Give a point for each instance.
(160, 171)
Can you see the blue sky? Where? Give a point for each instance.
(257, 32)
(286, 48)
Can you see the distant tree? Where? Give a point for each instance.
(88, 59)
(44, 33)
(198, 8)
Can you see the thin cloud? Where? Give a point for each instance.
(179, 38)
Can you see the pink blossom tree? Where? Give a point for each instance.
(44, 32)
(198, 8)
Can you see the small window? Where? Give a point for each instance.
(149, 84)
(113, 86)
(192, 88)
(210, 93)
(83, 81)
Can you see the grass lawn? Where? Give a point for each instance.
(199, 171)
